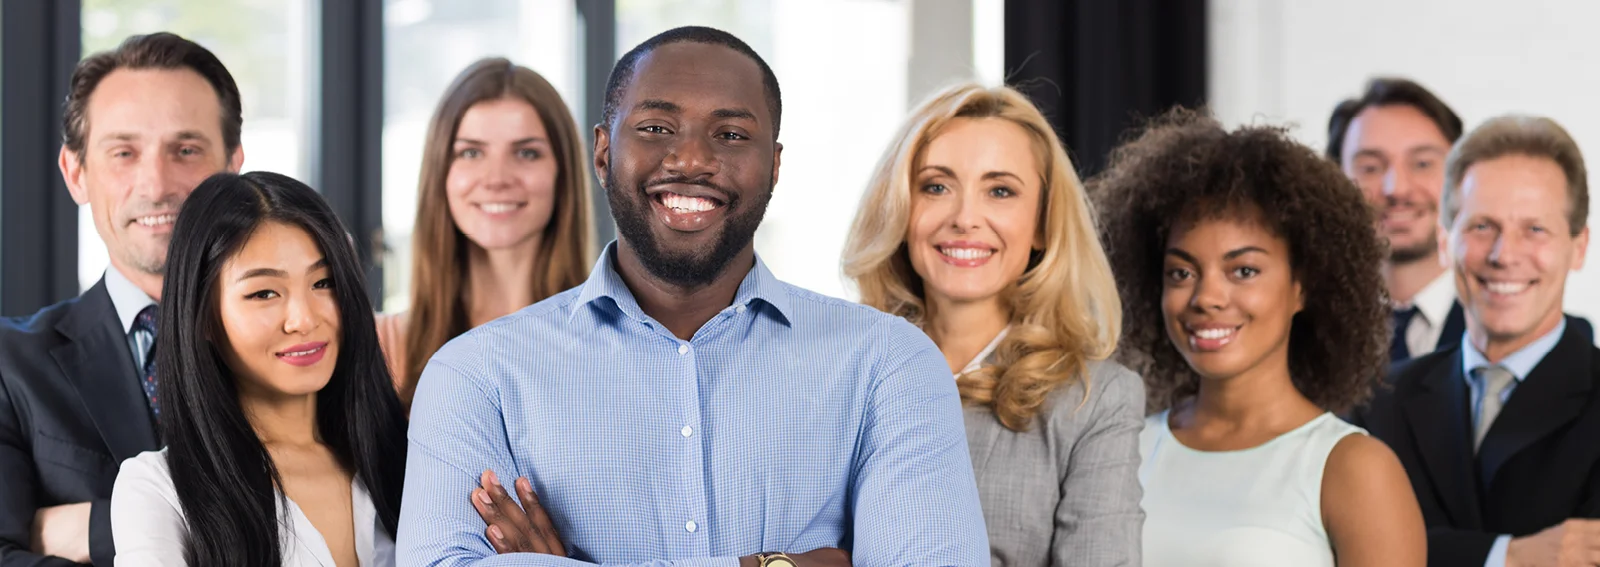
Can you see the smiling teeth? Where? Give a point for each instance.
(682, 204)
(497, 208)
(157, 220)
(967, 253)
(1213, 334)
(302, 353)
(1507, 288)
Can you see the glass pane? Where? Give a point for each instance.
(267, 45)
(426, 44)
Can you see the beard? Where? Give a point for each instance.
(1421, 251)
(630, 207)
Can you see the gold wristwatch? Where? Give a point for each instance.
(774, 560)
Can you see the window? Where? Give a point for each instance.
(268, 46)
(842, 99)
(426, 44)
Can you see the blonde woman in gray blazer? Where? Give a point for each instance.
(976, 228)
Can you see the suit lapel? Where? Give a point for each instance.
(1455, 325)
(1553, 394)
(1440, 424)
(97, 362)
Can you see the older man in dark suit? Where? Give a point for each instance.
(144, 124)
(1501, 434)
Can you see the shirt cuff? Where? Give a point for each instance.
(1497, 553)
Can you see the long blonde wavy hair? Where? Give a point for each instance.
(1065, 310)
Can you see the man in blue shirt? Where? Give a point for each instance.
(683, 406)
(1498, 433)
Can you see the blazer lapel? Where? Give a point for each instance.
(1553, 394)
(1440, 425)
(97, 362)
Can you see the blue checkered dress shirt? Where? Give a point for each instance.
(790, 421)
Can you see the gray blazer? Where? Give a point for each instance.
(1066, 491)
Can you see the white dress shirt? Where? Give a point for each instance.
(1433, 305)
(147, 522)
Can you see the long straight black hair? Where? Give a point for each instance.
(225, 478)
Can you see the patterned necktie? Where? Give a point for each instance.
(1398, 350)
(146, 321)
(1492, 384)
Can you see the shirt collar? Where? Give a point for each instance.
(983, 355)
(1521, 362)
(605, 282)
(127, 298)
(1436, 299)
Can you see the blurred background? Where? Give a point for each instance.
(338, 92)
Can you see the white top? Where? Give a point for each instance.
(147, 523)
(1255, 507)
(1433, 306)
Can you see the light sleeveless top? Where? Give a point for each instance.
(1253, 507)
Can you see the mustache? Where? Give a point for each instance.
(728, 196)
(140, 208)
(1390, 203)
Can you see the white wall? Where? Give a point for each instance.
(1291, 61)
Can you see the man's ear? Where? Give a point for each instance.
(777, 160)
(236, 159)
(1580, 248)
(602, 149)
(72, 173)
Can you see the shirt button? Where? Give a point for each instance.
(690, 526)
(687, 431)
(683, 349)
(739, 309)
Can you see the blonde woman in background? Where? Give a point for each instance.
(976, 229)
(503, 215)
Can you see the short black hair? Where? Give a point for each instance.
(1387, 91)
(622, 73)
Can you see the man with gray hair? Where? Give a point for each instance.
(1498, 434)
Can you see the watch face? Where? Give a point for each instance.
(778, 562)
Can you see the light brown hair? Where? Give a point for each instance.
(1532, 136)
(1064, 309)
(439, 249)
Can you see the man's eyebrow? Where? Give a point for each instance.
(657, 104)
(724, 113)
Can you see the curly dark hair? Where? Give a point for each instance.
(1184, 167)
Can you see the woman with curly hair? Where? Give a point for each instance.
(1249, 275)
(976, 228)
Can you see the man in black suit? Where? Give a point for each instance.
(1501, 434)
(143, 125)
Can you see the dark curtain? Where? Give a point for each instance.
(1098, 67)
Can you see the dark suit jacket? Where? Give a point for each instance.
(1538, 463)
(71, 409)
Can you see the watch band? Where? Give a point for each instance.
(774, 559)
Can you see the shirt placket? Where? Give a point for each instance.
(693, 512)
